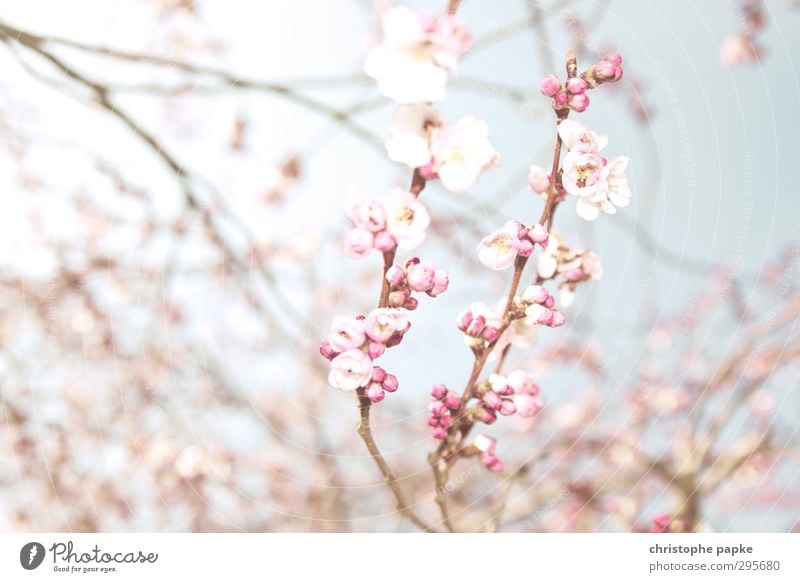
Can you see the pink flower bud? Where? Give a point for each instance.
(550, 302)
(525, 248)
(395, 275)
(576, 85)
(560, 100)
(439, 433)
(550, 85)
(446, 421)
(476, 326)
(558, 319)
(507, 408)
(358, 243)
(411, 304)
(390, 383)
(613, 58)
(492, 400)
(327, 351)
(375, 349)
(493, 463)
(384, 242)
(538, 179)
(574, 274)
(441, 281)
(398, 298)
(546, 318)
(485, 444)
(437, 409)
(535, 294)
(490, 333)
(464, 320)
(378, 374)
(433, 422)
(579, 102)
(505, 390)
(538, 234)
(452, 400)
(527, 404)
(439, 391)
(484, 415)
(375, 392)
(421, 277)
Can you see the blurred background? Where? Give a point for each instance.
(172, 174)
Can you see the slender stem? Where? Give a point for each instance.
(365, 405)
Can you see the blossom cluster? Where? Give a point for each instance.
(572, 94)
(353, 344)
(456, 154)
(571, 266)
(398, 221)
(598, 184)
(416, 55)
(499, 250)
(414, 276)
(516, 393)
(439, 412)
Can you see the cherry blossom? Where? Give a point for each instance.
(412, 63)
(461, 152)
(579, 138)
(499, 250)
(350, 370)
(410, 134)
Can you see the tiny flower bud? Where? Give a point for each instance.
(579, 102)
(421, 277)
(493, 463)
(560, 100)
(492, 400)
(358, 243)
(437, 409)
(411, 304)
(576, 85)
(538, 179)
(398, 298)
(439, 391)
(538, 234)
(550, 85)
(484, 415)
(395, 275)
(452, 400)
(574, 274)
(613, 58)
(507, 408)
(384, 242)
(558, 319)
(464, 320)
(390, 383)
(439, 433)
(327, 351)
(535, 294)
(375, 349)
(446, 421)
(525, 248)
(375, 392)
(378, 374)
(476, 326)
(441, 281)
(490, 333)
(433, 422)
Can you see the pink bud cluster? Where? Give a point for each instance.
(540, 306)
(573, 93)
(487, 447)
(444, 402)
(381, 383)
(353, 344)
(480, 326)
(414, 276)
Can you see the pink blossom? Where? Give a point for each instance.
(412, 62)
(538, 179)
(421, 277)
(583, 174)
(350, 370)
(498, 250)
(441, 282)
(410, 134)
(461, 152)
(407, 219)
(347, 333)
(737, 49)
(579, 138)
(550, 86)
(358, 243)
(366, 214)
(383, 323)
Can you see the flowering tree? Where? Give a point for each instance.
(169, 273)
